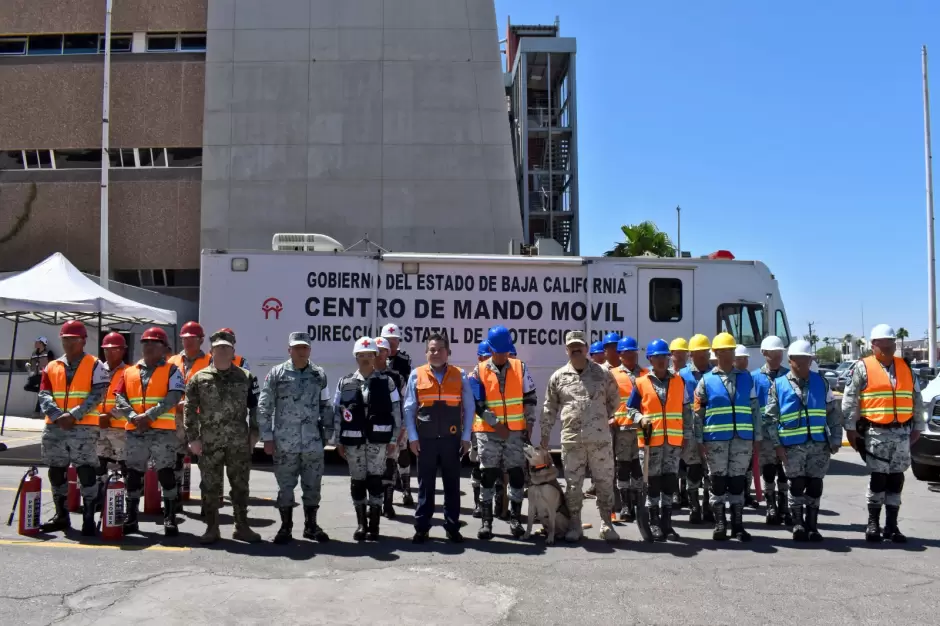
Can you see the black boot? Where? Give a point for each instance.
(812, 516)
(773, 513)
(737, 523)
(635, 495)
(170, 529)
(498, 504)
(311, 530)
(387, 509)
(486, 526)
(721, 522)
(88, 517)
(799, 530)
(684, 500)
(287, 526)
(783, 506)
(130, 516)
(626, 510)
(891, 525)
(708, 511)
(668, 531)
(695, 508)
(515, 519)
(375, 513)
(655, 523)
(61, 520)
(477, 511)
(873, 530)
(362, 523)
(406, 499)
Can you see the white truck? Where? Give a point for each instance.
(340, 296)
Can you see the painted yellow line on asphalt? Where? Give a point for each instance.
(192, 496)
(90, 546)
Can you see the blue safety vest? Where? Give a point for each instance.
(803, 419)
(690, 381)
(762, 383)
(722, 417)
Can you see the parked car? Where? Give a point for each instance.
(925, 453)
(844, 370)
(830, 375)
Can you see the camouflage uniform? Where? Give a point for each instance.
(584, 401)
(773, 475)
(183, 450)
(807, 463)
(400, 363)
(112, 441)
(627, 449)
(691, 466)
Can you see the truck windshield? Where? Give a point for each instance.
(745, 322)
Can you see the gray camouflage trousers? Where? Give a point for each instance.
(691, 456)
(730, 459)
(365, 461)
(577, 458)
(112, 443)
(77, 446)
(626, 449)
(806, 460)
(768, 456)
(155, 445)
(664, 460)
(502, 454)
(892, 447)
(289, 466)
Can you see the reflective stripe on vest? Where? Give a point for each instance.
(156, 391)
(803, 419)
(879, 402)
(762, 383)
(666, 422)
(430, 392)
(722, 417)
(507, 408)
(625, 383)
(70, 396)
(107, 405)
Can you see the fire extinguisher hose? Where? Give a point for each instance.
(33, 471)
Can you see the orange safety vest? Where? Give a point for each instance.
(622, 416)
(666, 422)
(70, 396)
(107, 405)
(882, 404)
(239, 361)
(440, 405)
(200, 363)
(508, 408)
(156, 391)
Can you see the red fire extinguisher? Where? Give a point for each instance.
(74, 501)
(29, 499)
(112, 515)
(152, 502)
(187, 473)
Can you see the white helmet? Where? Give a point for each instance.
(801, 347)
(772, 343)
(391, 330)
(740, 350)
(364, 344)
(381, 343)
(883, 331)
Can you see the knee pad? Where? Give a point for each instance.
(814, 487)
(476, 473)
(167, 478)
(516, 477)
(878, 483)
(682, 466)
(374, 485)
(737, 485)
(895, 483)
(798, 485)
(135, 480)
(670, 483)
(636, 470)
(695, 473)
(87, 475)
(489, 476)
(655, 485)
(358, 489)
(768, 472)
(58, 476)
(719, 485)
(404, 458)
(623, 470)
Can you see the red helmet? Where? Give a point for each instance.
(227, 330)
(113, 340)
(155, 334)
(192, 329)
(73, 328)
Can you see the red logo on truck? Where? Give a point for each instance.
(272, 305)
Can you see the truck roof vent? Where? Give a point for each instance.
(305, 242)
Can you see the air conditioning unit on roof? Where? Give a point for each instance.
(305, 242)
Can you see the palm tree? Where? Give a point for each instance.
(847, 340)
(643, 238)
(828, 341)
(812, 339)
(902, 334)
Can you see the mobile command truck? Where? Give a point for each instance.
(340, 296)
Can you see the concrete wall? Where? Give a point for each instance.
(385, 117)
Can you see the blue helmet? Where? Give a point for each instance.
(657, 347)
(483, 349)
(512, 351)
(610, 338)
(597, 347)
(627, 344)
(499, 339)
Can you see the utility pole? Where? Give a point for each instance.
(931, 257)
(104, 269)
(678, 232)
(812, 343)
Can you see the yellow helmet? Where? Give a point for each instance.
(698, 342)
(723, 340)
(679, 344)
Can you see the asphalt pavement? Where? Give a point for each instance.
(154, 580)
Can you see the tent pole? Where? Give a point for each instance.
(6, 399)
(100, 349)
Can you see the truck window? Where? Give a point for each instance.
(781, 328)
(665, 300)
(745, 322)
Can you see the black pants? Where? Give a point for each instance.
(443, 454)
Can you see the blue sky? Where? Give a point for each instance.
(789, 132)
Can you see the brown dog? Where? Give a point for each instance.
(546, 497)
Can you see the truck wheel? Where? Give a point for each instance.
(929, 473)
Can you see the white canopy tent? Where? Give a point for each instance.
(55, 290)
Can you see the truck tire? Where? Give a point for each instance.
(928, 473)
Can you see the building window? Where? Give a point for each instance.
(94, 43)
(78, 159)
(184, 157)
(90, 158)
(37, 160)
(119, 43)
(12, 46)
(193, 42)
(745, 322)
(44, 44)
(665, 300)
(80, 44)
(176, 42)
(780, 324)
(158, 278)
